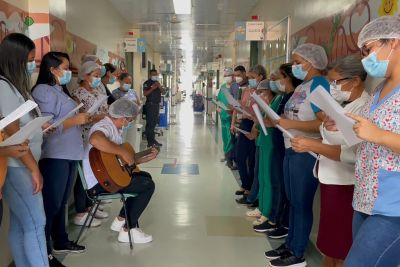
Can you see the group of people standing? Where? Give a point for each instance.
(359, 222)
(39, 175)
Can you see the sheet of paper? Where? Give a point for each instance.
(97, 105)
(18, 113)
(26, 132)
(290, 135)
(241, 131)
(321, 98)
(220, 104)
(60, 121)
(264, 106)
(232, 101)
(244, 112)
(260, 118)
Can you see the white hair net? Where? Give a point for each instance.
(314, 54)
(123, 108)
(386, 27)
(263, 85)
(228, 71)
(87, 58)
(86, 68)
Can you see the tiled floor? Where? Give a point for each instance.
(194, 219)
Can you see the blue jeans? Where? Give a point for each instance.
(253, 195)
(27, 219)
(300, 187)
(280, 205)
(58, 178)
(246, 150)
(376, 241)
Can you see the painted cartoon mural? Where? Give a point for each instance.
(338, 34)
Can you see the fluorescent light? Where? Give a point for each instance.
(183, 7)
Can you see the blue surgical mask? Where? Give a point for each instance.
(129, 126)
(112, 80)
(31, 67)
(95, 82)
(103, 71)
(154, 78)
(127, 86)
(298, 72)
(253, 83)
(274, 87)
(66, 78)
(375, 67)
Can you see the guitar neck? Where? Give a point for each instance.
(142, 154)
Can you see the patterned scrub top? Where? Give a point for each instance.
(377, 170)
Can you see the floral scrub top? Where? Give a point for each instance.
(377, 185)
(88, 99)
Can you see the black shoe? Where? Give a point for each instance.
(239, 193)
(278, 252)
(242, 200)
(157, 144)
(234, 168)
(69, 247)
(53, 262)
(253, 205)
(288, 261)
(264, 227)
(278, 233)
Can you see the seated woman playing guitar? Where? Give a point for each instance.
(106, 136)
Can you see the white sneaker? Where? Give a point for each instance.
(138, 236)
(106, 201)
(117, 225)
(253, 213)
(80, 220)
(101, 214)
(260, 220)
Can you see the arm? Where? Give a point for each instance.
(102, 143)
(369, 132)
(304, 126)
(302, 144)
(80, 119)
(150, 89)
(253, 134)
(233, 121)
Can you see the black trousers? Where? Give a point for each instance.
(58, 178)
(142, 185)
(152, 114)
(81, 200)
(245, 157)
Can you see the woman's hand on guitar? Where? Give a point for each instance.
(149, 157)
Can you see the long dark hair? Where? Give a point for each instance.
(286, 70)
(51, 60)
(14, 52)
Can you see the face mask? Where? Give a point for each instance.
(127, 86)
(228, 79)
(66, 78)
(128, 126)
(281, 87)
(112, 80)
(298, 72)
(31, 67)
(274, 87)
(339, 95)
(103, 71)
(238, 79)
(375, 67)
(154, 78)
(253, 83)
(95, 82)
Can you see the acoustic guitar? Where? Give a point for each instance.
(111, 171)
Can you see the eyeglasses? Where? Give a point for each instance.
(365, 50)
(338, 81)
(128, 120)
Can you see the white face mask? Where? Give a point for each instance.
(281, 86)
(339, 95)
(228, 79)
(238, 79)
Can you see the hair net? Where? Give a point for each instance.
(87, 58)
(123, 108)
(263, 85)
(86, 68)
(314, 54)
(386, 27)
(228, 71)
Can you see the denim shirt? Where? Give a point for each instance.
(63, 143)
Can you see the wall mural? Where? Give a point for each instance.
(338, 34)
(49, 38)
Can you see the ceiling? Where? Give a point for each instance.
(208, 27)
